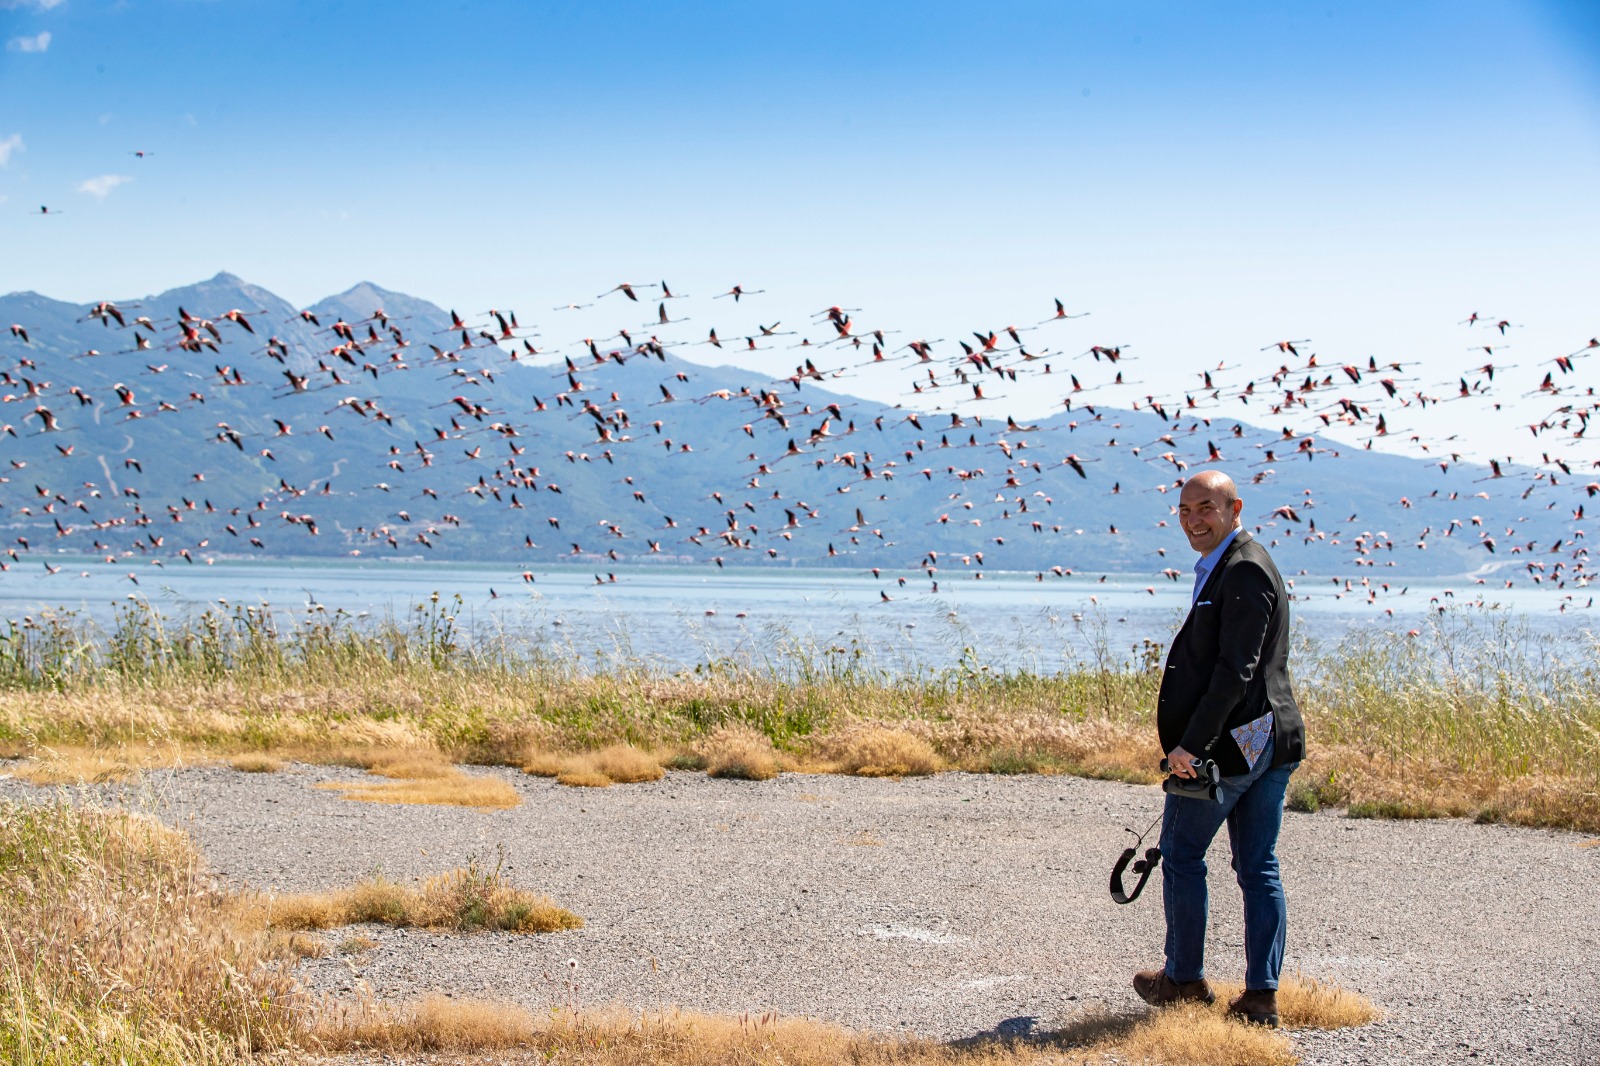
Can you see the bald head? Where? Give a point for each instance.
(1208, 509)
(1213, 481)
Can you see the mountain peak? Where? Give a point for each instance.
(363, 298)
(363, 288)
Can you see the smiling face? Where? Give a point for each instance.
(1208, 510)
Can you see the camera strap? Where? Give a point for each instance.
(1144, 867)
(1206, 785)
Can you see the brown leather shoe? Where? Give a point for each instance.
(1159, 990)
(1258, 1008)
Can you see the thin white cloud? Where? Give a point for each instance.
(103, 185)
(39, 43)
(11, 144)
(40, 5)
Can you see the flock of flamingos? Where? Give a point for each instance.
(951, 389)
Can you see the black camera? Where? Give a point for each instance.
(1203, 786)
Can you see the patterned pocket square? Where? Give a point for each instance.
(1252, 738)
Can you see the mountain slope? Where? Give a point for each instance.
(382, 428)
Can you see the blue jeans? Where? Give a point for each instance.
(1252, 805)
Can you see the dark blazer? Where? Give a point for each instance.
(1229, 664)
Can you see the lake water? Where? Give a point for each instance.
(686, 616)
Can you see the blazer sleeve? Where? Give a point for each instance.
(1248, 599)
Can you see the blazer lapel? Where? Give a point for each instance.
(1243, 537)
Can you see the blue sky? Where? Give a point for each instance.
(1205, 179)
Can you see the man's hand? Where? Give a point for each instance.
(1180, 762)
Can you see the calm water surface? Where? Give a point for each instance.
(685, 616)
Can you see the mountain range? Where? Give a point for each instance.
(418, 434)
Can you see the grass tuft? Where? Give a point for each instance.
(1194, 1035)
(542, 764)
(739, 753)
(455, 790)
(1307, 1003)
(465, 900)
(356, 945)
(580, 776)
(256, 763)
(611, 765)
(421, 776)
(627, 765)
(872, 750)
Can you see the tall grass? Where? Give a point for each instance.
(114, 948)
(1472, 715)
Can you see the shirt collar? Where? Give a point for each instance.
(1209, 561)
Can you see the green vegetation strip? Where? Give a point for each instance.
(1472, 716)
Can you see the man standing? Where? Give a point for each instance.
(1225, 696)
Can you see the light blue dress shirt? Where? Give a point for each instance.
(1208, 563)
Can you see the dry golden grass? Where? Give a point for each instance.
(72, 765)
(621, 1038)
(740, 753)
(1023, 739)
(117, 948)
(407, 765)
(583, 777)
(611, 765)
(432, 1024)
(1187, 1035)
(1410, 786)
(1192, 1035)
(627, 765)
(455, 790)
(302, 946)
(872, 750)
(463, 900)
(1307, 1003)
(254, 762)
(542, 763)
(355, 945)
(421, 776)
(1198, 1035)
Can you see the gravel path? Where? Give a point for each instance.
(945, 906)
